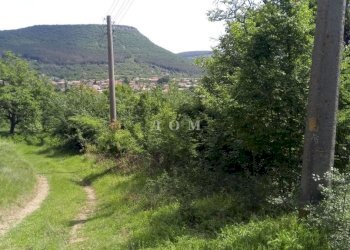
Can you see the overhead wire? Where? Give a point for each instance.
(112, 7)
(127, 8)
(120, 10)
(116, 7)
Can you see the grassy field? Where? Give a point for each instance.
(124, 218)
(17, 178)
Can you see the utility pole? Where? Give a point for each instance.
(112, 103)
(320, 133)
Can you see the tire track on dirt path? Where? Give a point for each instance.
(84, 215)
(9, 220)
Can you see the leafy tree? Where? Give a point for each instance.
(233, 10)
(77, 106)
(22, 93)
(256, 89)
(238, 10)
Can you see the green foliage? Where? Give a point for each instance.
(343, 127)
(167, 136)
(139, 114)
(256, 90)
(81, 131)
(118, 143)
(238, 10)
(283, 233)
(23, 94)
(79, 100)
(78, 116)
(332, 215)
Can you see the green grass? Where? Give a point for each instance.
(17, 178)
(49, 227)
(125, 219)
(125, 222)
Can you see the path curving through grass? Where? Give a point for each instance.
(17, 214)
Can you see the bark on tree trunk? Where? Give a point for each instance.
(323, 100)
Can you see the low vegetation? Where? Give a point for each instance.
(127, 217)
(17, 177)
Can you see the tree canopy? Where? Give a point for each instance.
(23, 93)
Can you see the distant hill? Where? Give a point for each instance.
(80, 51)
(195, 54)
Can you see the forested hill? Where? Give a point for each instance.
(80, 51)
(195, 54)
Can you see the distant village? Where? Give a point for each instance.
(137, 84)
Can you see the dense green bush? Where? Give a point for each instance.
(118, 143)
(332, 216)
(81, 131)
(256, 89)
(77, 116)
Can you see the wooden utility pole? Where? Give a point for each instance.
(112, 103)
(318, 158)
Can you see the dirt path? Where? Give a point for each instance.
(84, 215)
(16, 215)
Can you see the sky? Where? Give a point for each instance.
(176, 25)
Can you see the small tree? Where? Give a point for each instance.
(21, 93)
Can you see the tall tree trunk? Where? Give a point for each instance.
(13, 123)
(323, 100)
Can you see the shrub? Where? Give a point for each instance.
(82, 130)
(118, 143)
(332, 215)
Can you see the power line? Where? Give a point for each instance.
(116, 7)
(114, 3)
(125, 12)
(121, 9)
(110, 7)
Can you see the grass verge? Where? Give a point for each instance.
(49, 227)
(17, 178)
(124, 220)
